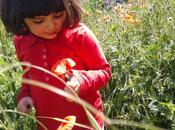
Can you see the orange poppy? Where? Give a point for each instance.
(130, 19)
(63, 68)
(69, 124)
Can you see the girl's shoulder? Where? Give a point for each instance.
(78, 30)
(23, 42)
(17, 39)
(27, 39)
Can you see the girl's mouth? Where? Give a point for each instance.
(53, 33)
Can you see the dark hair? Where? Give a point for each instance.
(15, 11)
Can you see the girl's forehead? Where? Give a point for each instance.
(32, 8)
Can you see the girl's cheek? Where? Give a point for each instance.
(39, 28)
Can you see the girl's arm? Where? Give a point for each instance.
(98, 70)
(24, 90)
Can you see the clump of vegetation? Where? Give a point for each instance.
(141, 54)
(139, 42)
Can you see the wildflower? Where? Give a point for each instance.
(69, 124)
(63, 68)
(129, 16)
(170, 19)
(106, 18)
(119, 9)
(112, 48)
(99, 11)
(130, 19)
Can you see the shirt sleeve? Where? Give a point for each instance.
(98, 70)
(25, 89)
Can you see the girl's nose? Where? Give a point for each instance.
(50, 25)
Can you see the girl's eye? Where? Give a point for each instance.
(58, 15)
(37, 21)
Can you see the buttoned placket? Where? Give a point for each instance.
(45, 63)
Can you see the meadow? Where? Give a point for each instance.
(138, 39)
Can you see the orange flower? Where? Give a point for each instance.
(69, 124)
(129, 16)
(63, 68)
(130, 19)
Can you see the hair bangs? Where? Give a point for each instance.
(32, 8)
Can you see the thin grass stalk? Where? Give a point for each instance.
(2, 125)
(80, 101)
(26, 115)
(64, 121)
(7, 118)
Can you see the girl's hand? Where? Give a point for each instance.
(25, 105)
(73, 84)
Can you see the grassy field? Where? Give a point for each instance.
(139, 42)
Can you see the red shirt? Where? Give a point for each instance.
(79, 44)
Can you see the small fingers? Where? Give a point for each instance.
(25, 105)
(73, 84)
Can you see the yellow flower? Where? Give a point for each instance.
(99, 11)
(106, 18)
(86, 13)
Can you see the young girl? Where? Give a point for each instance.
(47, 31)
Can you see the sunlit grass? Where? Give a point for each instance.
(141, 93)
(73, 98)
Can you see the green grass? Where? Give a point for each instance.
(142, 57)
(142, 60)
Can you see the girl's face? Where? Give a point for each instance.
(46, 27)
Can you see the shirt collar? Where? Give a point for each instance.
(29, 40)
